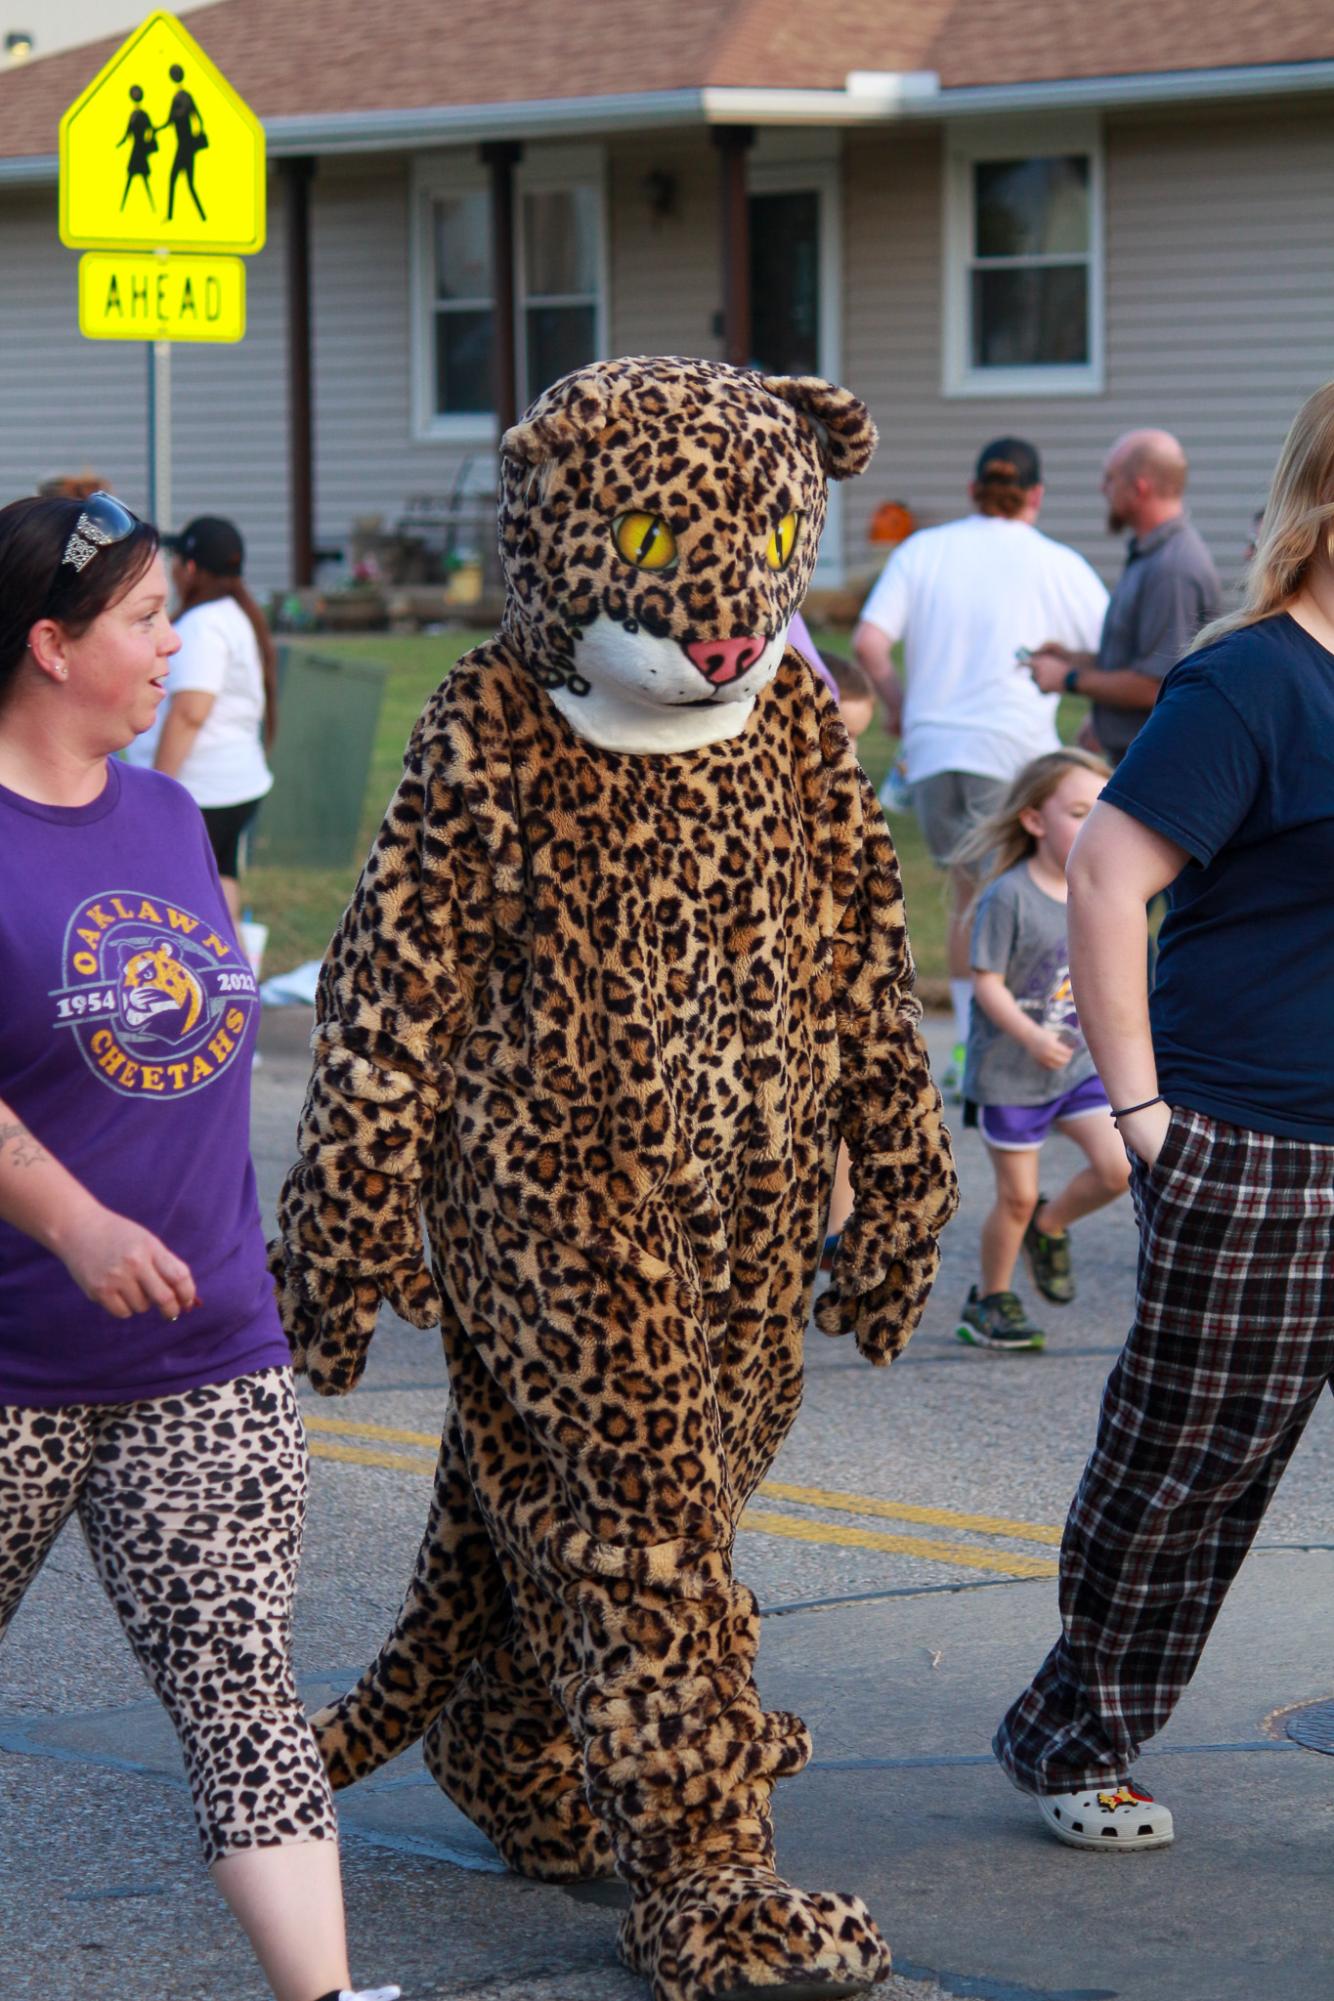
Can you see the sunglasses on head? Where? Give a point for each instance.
(103, 520)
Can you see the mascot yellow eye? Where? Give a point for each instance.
(782, 542)
(644, 540)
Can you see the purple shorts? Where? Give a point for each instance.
(1019, 1128)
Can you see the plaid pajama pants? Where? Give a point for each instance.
(1232, 1343)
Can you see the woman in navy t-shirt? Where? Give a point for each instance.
(1223, 1089)
(144, 1378)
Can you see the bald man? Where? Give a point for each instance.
(1167, 591)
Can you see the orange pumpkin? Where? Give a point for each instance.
(892, 522)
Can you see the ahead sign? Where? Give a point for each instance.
(159, 153)
(133, 295)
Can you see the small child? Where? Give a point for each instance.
(1028, 1067)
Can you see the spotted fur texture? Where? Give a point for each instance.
(602, 1018)
(192, 1507)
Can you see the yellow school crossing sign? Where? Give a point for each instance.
(159, 153)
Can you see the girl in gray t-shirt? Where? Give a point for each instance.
(1028, 1066)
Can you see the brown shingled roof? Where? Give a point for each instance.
(307, 57)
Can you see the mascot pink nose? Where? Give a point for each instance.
(724, 660)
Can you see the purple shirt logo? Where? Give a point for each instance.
(158, 1002)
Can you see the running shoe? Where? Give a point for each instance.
(997, 1321)
(1048, 1259)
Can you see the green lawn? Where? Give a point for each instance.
(302, 906)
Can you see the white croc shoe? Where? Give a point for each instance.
(1122, 1817)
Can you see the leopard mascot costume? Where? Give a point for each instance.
(627, 958)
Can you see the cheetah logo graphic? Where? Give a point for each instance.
(154, 984)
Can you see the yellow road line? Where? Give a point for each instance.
(796, 1528)
(348, 1429)
(828, 1498)
(903, 1511)
(799, 1529)
(356, 1455)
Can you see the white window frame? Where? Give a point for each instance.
(769, 173)
(1034, 139)
(542, 169)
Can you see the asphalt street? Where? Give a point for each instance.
(903, 1552)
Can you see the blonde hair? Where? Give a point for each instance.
(1001, 840)
(1298, 519)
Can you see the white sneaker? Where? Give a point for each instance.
(368, 1994)
(1122, 1817)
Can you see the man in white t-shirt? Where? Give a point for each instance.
(968, 600)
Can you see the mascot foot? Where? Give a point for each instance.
(742, 1934)
(526, 1796)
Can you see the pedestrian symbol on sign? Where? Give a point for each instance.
(143, 144)
(141, 134)
(191, 138)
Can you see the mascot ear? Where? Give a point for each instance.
(841, 422)
(562, 420)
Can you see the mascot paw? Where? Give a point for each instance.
(877, 1290)
(328, 1318)
(744, 1934)
(412, 1294)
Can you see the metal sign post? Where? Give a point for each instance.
(163, 514)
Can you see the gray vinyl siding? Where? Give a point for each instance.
(665, 271)
(229, 419)
(368, 461)
(1219, 320)
(67, 403)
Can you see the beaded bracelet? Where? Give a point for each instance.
(1126, 1110)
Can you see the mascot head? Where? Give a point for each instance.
(659, 523)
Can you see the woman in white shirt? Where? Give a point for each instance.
(220, 713)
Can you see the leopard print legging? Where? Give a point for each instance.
(192, 1507)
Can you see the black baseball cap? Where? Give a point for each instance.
(1011, 459)
(211, 542)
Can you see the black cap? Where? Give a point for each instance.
(1010, 459)
(211, 542)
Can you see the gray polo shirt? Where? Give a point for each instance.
(1167, 591)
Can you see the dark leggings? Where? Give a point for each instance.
(225, 825)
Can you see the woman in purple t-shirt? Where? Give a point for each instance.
(144, 1379)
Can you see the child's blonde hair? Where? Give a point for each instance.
(998, 842)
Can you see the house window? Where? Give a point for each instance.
(1023, 274)
(561, 255)
(560, 318)
(463, 317)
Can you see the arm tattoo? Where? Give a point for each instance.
(27, 1153)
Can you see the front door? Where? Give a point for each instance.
(794, 285)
